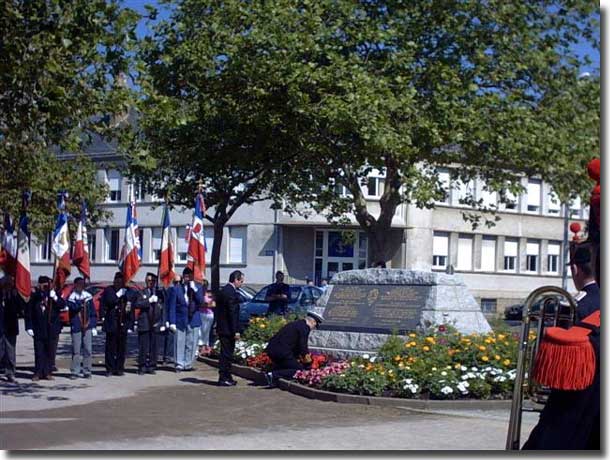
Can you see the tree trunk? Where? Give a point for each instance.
(219, 226)
(379, 244)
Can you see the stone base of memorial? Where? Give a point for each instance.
(362, 308)
(258, 377)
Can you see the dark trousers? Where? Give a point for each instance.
(165, 343)
(285, 367)
(54, 341)
(42, 357)
(7, 353)
(115, 351)
(147, 350)
(227, 348)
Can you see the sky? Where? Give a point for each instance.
(142, 30)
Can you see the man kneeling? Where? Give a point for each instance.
(288, 345)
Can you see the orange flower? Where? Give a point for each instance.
(506, 362)
(426, 348)
(430, 340)
(482, 348)
(484, 358)
(497, 357)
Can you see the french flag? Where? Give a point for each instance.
(23, 277)
(129, 262)
(196, 245)
(166, 254)
(80, 257)
(61, 244)
(8, 247)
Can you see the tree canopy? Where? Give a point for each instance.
(59, 69)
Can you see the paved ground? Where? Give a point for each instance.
(188, 411)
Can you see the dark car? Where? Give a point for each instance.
(301, 298)
(515, 312)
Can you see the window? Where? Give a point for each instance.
(362, 249)
(532, 253)
(112, 245)
(157, 234)
(445, 182)
(341, 190)
(553, 205)
(138, 191)
(209, 244)
(489, 305)
(45, 248)
(510, 255)
(511, 202)
(440, 250)
(488, 254)
(465, 193)
(533, 195)
(237, 245)
(375, 186)
(181, 244)
(91, 242)
(575, 208)
(553, 251)
(464, 256)
(114, 184)
(319, 244)
(490, 199)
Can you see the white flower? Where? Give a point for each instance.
(463, 387)
(361, 366)
(474, 369)
(408, 381)
(443, 373)
(365, 356)
(463, 368)
(446, 390)
(373, 359)
(434, 368)
(244, 355)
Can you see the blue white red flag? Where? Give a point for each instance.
(23, 276)
(196, 244)
(166, 254)
(8, 247)
(129, 262)
(80, 257)
(61, 244)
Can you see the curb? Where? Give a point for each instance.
(312, 393)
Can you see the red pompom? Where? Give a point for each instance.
(593, 168)
(575, 227)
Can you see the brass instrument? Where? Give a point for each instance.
(557, 308)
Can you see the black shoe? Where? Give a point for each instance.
(226, 383)
(108, 374)
(54, 369)
(10, 378)
(86, 376)
(73, 376)
(140, 372)
(120, 373)
(151, 371)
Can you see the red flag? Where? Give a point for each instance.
(80, 257)
(166, 254)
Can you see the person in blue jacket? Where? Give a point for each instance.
(82, 328)
(184, 301)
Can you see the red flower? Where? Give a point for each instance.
(442, 328)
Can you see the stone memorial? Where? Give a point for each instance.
(363, 307)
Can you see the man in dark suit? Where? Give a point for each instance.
(150, 322)
(584, 280)
(227, 326)
(41, 318)
(10, 307)
(289, 345)
(116, 305)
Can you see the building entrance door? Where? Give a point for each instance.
(333, 254)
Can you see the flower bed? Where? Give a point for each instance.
(439, 364)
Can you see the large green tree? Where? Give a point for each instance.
(60, 70)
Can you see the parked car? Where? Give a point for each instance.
(246, 294)
(515, 312)
(301, 298)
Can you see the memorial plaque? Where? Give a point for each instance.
(375, 308)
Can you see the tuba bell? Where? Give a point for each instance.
(547, 306)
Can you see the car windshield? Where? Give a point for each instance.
(262, 294)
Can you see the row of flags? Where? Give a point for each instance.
(15, 251)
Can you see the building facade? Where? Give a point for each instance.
(501, 265)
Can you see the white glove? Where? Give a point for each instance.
(53, 294)
(172, 327)
(94, 332)
(166, 323)
(162, 329)
(153, 299)
(193, 286)
(130, 331)
(135, 328)
(65, 309)
(30, 332)
(120, 292)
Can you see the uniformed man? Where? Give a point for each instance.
(568, 362)
(582, 274)
(150, 322)
(278, 295)
(116, 304)
(289, 346)
(227, 325)
(82, 328)
(183, 303)
(41, 318)
(11, 305)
